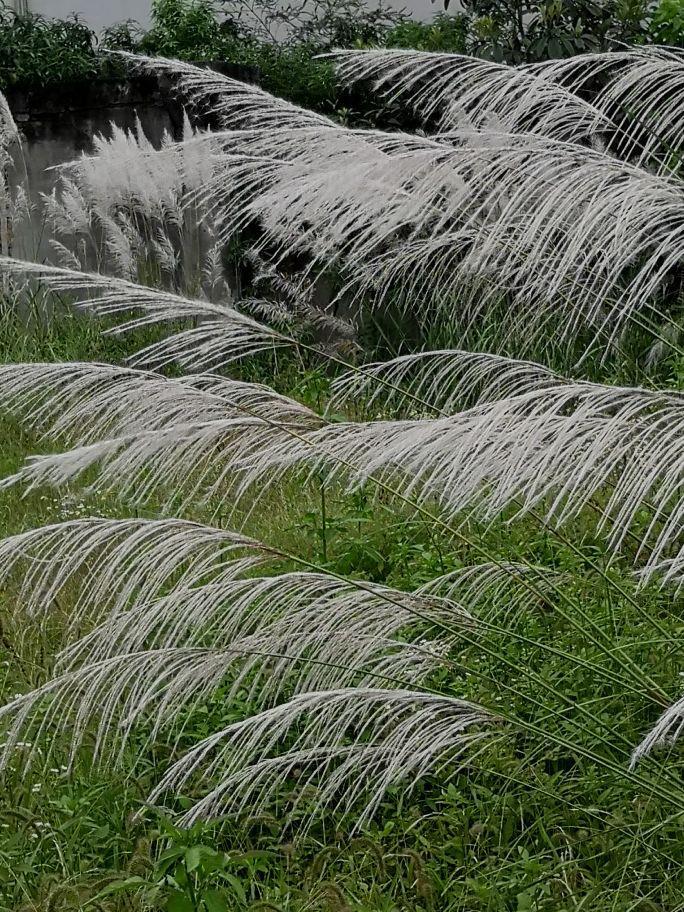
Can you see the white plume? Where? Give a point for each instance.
(577, 240)
(665, 733)
(553, 450)
(84, 402)
(640, 89)
(228, 99)
(108, 564)
(461, 90)
(443, 381)
(106, 296)
(351, 744)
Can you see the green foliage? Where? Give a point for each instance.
(328, 24)
(188, 875)
(667, 23)
(190, 30)
(39, 51)
(290, 72)
(187, 29)
(529, 30)
(444, 33)
(281, 42)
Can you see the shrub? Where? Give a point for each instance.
(39, 51)
(667, 23)
(187, 29)
(444, 33)
(529, 31)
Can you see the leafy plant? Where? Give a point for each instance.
(443, 33)
(188, 875)
(35, 50)
(667, 23)
(187, 29)
(528, 31)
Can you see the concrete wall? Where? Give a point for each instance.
(58, 126)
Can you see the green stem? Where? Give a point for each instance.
(324, 527)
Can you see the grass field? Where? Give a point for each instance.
(531, 823)
(282, 628)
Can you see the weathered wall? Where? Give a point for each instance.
(59, 125)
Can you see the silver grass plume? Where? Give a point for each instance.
(553, 228)
(395, 735)
(354, 743)
(497, 592)
(551, 449)
(640, 90)
(463, 230)
(443, 381)
(664, 734)
(228, 99)
(179, 436)
(237, 188)
(182, 614)
(125, 169)
(363, 627)
(223, 334)
(460, 90)
(115, 688)
(469, 217)
(9, 131)
(124, 206)
(83, 402)
(111, 563)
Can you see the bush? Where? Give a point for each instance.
(667, 24)
(529, 30)
(187, 29)
(35, 50)
(283, 41)
(444, 33)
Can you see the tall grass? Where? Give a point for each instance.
(541, 211)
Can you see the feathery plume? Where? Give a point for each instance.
(228, 99)
(640, 89)
(343, 624)
(665, 733)
(240, 336)
(443, 381)
(461, 90)
(114, 562)
(575, 240)
(83, 402)
(552, 449)
(350, 743)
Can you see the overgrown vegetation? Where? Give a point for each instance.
(348, 572)
(281, 41)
